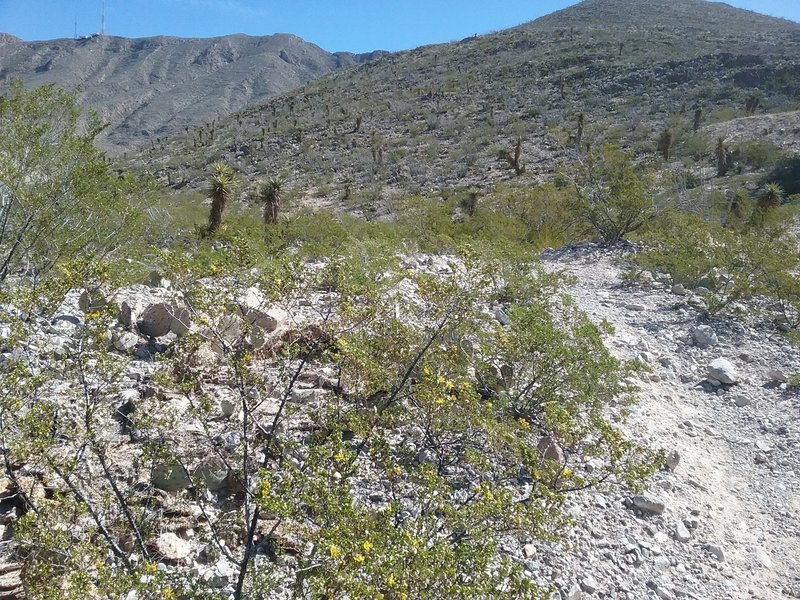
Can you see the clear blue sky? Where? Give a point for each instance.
(354, 25)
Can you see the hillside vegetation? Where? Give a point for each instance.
(309, 350)
(447, 116)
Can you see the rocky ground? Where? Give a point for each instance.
(722, 522)
(719, 522)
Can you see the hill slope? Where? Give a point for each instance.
(441, 116)
(153, 87)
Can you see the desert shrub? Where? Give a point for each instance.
(736, 265)
(544, 210)
(429, 405)
(696, 146)
(612, 194)
(59, 199)
(758, 154)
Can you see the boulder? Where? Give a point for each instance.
(722, 370)
(156, 320)
(777, 376)
(681, 532)
(704, 336)
(181, 320)
(170, 477)
(124, 341)
(648, 505)
(550, 450)
(169, 548)
(213, 473)
(251, 298)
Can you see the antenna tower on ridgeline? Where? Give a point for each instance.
(103, 19)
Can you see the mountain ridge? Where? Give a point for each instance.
(152, 87)
(445, 116)
(626, 13)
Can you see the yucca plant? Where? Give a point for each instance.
(771, 197)
(270, 195)
(220, 189)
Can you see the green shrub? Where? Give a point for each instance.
(612, 195)
(59, 200)
(759, 154)
(786, 174)
(735, 265)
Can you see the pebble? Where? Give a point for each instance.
(672, 460)
(716, 551)
(681, 532)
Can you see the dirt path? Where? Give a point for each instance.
(736, 486)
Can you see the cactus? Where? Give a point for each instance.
(665, 143)
(514, 159)
(752, 105)
(698, 116)
(724, 158)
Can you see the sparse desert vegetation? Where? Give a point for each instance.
(400, 332)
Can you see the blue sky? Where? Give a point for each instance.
(355, 25)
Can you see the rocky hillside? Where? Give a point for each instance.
(447, 116)
(718, 522)
(156, 87)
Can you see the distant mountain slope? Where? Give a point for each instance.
(447, 115)
(685, 14)
(154, 87)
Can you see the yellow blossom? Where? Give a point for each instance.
(359, 558)
(367, 546)
(334, 551)
(391, 581)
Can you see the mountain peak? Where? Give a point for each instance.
(7, 38)
(683, 14)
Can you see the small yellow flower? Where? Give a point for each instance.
(359, 558)
(391, 581)
(334, 551)
(339, 456)
(524, 424)
(567, 472)
(367, 546)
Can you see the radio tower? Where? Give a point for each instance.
(103, 19)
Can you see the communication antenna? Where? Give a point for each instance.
(103, 19)
(76, 27)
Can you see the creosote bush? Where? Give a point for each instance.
(758, 259)
(59, 199)
(399, 477)
(612, 194)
